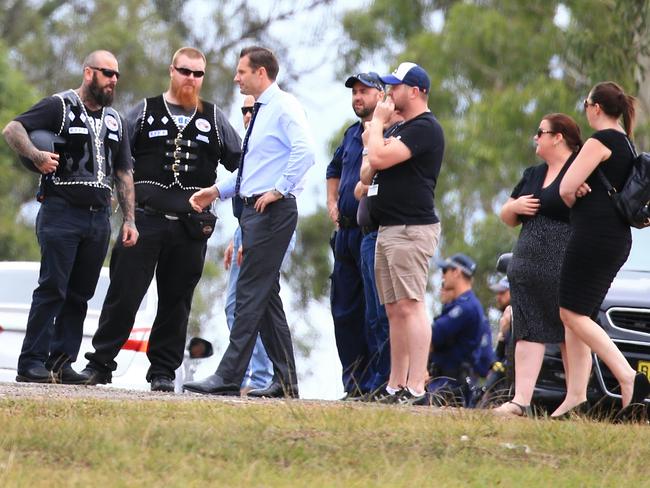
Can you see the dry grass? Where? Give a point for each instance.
(96, 442)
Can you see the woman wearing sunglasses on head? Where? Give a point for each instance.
(534, 270)
(599, 245)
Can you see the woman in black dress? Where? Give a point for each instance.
(534, 270)
(599, 244)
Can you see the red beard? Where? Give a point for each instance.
(187, 95)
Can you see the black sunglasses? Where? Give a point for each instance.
(246, 110)
(586, 103)
(188, 72)
(541, 132)
(108, 73)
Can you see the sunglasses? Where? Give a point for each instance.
(108, 73)
(188, 72)
(541, 132)
(246, 110)
(586, 103)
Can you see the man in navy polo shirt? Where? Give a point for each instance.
(353, 341)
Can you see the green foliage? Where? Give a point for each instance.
(17, 185)
(311, 261)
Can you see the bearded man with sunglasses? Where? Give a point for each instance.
(177, 141)
(73, 228)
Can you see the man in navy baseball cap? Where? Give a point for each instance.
(409, 74)
(458, 261)
(370, 79)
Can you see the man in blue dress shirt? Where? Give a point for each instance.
(276, 154)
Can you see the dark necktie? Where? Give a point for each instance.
(244, 147)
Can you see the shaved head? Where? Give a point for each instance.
(97, 58)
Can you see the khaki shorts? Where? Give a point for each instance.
(402, 260)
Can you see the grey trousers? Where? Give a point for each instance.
(258, 307)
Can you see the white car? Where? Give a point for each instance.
(18, 279)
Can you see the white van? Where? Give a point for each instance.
(18, 279)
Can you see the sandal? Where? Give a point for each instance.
(522, 410)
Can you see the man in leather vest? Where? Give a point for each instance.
(177, 141)
(73, 226)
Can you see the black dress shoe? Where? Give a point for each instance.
(68, 376)
(162, 383)
(212, 385)
(94, 376)
(275, 390)
(35, 374)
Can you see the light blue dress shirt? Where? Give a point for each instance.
(280, 149)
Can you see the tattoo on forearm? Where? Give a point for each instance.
(125, 194)
(18, 140)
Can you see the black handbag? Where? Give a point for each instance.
(199, 226)
(633, 200)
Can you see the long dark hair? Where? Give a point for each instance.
(615, 103)
(565, 125)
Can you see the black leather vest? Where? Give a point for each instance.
(167, 157)
(88, 154)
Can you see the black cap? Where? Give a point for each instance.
(370, 79)
(461, 261)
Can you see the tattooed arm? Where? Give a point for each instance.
(18, 140)
(126, 199)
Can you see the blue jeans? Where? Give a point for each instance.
(376, 318)
(260, 369)
(73, 242)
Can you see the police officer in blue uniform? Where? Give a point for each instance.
(355, 346)
(461, 337)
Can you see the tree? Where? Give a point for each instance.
(497, 67)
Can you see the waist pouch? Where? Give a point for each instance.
(199, 226)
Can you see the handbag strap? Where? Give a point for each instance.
(608, 186)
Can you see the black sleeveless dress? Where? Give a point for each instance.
(534, 270)
(600, 240)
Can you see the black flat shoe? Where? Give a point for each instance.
(641, 388)
(581, 410)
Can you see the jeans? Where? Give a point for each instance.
(260, 369)
(376, 318)
(73, 242)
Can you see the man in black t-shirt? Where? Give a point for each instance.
(177, 141)
(402, 194)
(73, 226)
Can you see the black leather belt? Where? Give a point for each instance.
(91, 208)
(367, 229)
(347, 223)
(160, 213)
(248, 201)
(177, 167)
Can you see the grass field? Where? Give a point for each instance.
(97, 442)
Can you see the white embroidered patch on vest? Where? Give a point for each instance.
(150, 120)
(203, 125)
(158, 133)
(201, 137)
(164, 119)
(71, 116)
(78, 130)
(114, 137)
(110, 122)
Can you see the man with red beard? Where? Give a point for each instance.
(177, 141)
(72, 226)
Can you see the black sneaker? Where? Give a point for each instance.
(382, 396)
(405, 397)
(353, 396)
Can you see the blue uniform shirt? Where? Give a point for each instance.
(457, 333)
(346, 165)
